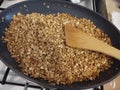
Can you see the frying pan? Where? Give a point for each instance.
(61, 7)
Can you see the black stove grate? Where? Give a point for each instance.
(3, 81)
(26, 85)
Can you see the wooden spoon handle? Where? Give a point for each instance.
(106, 49)
(79, 39)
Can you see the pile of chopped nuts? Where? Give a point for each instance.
(37, 42)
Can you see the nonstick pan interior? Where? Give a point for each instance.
(40, 6)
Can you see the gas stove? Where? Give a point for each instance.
(10, 80)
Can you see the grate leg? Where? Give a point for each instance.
(26, 86)
(5, 76)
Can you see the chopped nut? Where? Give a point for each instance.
(25, 6)
(48, 6)
(44, 3)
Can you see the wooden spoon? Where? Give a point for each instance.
(77, 38)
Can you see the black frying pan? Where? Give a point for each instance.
(74, 10)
